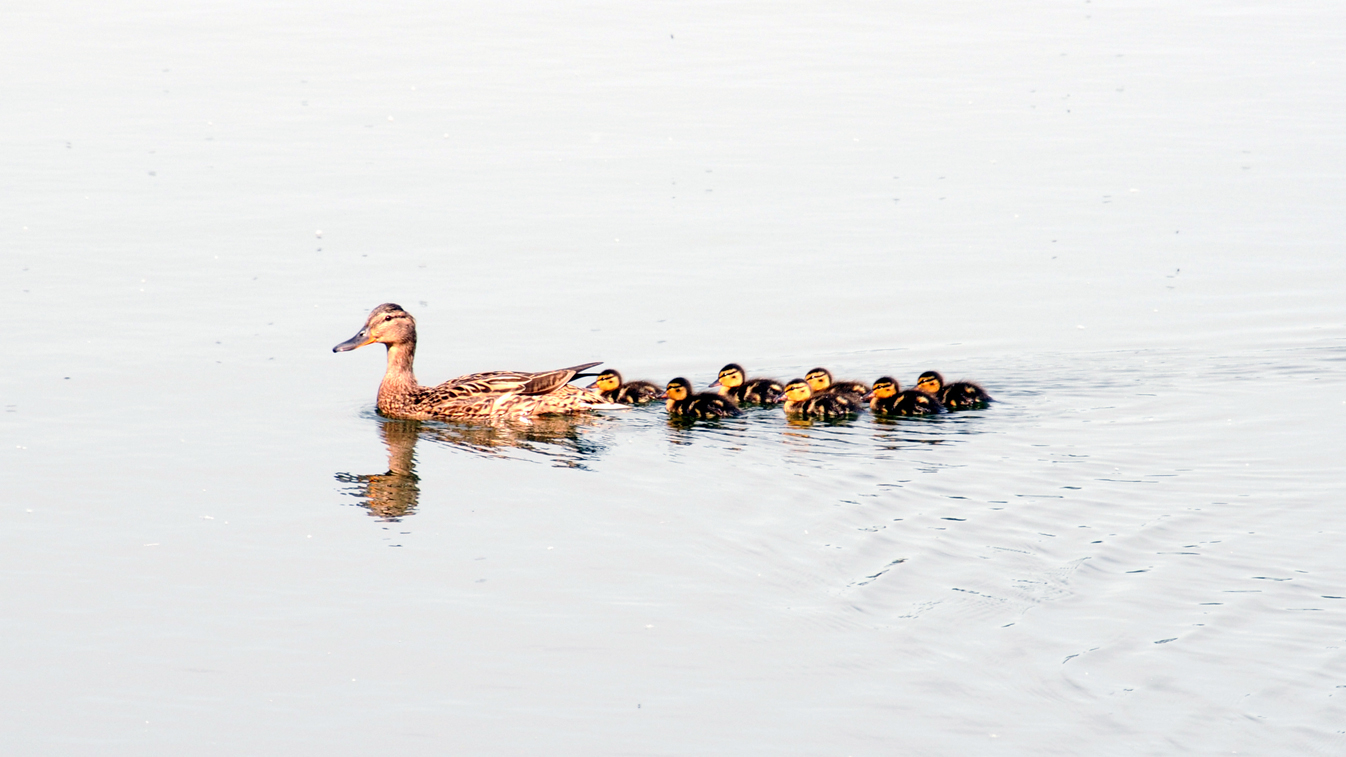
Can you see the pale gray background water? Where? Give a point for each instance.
(1125, 219)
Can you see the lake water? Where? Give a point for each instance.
(1124, 219)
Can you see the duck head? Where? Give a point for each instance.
(387, 324)
(678, 389)
(883, 388)
(607, 381)
(731, 375)
(798, 390)
(819, 379)
(930, 382)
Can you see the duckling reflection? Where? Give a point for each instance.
(395, 494)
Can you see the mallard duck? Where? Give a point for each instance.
(887, 398)
(682, 403)
(482, 396)
(960, 395)
(610, 387)
(821, 382)
(801, 401)
(734, 384)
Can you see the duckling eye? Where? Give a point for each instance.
(387, 318)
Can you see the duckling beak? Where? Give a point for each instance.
(359, 340)
(714, 384)
(867, 397)
(594, 385)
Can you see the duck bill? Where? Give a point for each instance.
(867, 397)
(359, 340)
(594, 385)
(715, 385)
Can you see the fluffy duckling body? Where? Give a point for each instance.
(887, 398)
(493, 395)
(960, 395)
(611, 388)
(801, 401)
(682, 403)
(734, 384)
(821, 382)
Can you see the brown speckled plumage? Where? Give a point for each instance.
(493, 395)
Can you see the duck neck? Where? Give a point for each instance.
(399, 380)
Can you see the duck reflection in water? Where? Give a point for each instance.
(395, 494)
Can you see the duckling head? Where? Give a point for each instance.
(678, 389)
(820, 379)
(883, 388)
(607, 381)
(798, 390)
(930, 382)
(387, 324)
(731, 375)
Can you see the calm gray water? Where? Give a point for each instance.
(1124, 219)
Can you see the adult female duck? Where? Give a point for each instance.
(494, 395)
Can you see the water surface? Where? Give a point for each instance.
(1123, 219)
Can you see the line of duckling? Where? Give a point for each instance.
(517, 395)
(818, 395)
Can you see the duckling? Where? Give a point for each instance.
(960, 395)
(801, 401)
(733, 384)
(494, 395)
(682, 403)
(821, 382)
(887, 398)
(610, 387)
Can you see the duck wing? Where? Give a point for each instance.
(550, 381)
(516, 382)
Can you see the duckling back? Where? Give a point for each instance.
(965, 395)
(637, 393)
(909, 402)
(759, 391)
(831, 405)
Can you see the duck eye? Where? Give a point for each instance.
(387, 318)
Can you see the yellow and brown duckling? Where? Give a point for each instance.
(887, 398)
(821, 382)
(610, 386)
(493, 395)
(734, 383)
(682, 403)
(960, 395)
(801, 401)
